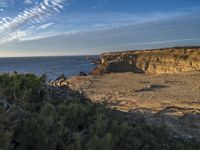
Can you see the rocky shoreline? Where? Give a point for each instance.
(155, 61)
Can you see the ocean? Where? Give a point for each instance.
(53, 67)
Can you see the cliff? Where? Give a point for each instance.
(158, 61)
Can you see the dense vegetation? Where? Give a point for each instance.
(32, 119)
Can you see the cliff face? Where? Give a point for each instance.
(170, 60)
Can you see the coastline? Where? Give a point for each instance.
(165, 102)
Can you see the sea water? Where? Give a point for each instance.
(53, 67)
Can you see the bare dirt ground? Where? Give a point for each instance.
(170, 99)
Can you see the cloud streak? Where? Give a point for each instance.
(14, 36)
(28, 1)
(84, 23)
(37, 14)
(45, 26)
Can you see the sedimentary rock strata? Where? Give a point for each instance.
(169, 60)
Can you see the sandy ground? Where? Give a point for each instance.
(170, 98)
(128, 91)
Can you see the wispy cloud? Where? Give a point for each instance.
(84, 23)
(28, 1)
(13, 36)
(36, 14)
(45, 26)
(10, 26)
(152, 34)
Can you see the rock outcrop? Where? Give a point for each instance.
(158, 61)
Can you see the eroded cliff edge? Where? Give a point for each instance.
(156, 61)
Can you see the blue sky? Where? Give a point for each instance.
(78, 27)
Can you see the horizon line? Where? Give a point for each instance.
(71, 55)
(48, 56)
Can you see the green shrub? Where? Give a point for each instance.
(20, 88)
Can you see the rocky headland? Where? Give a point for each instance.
(158, 61)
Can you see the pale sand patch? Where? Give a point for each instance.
(152, 92)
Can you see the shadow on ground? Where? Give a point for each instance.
(150, 88)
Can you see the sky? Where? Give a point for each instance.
(84, 27)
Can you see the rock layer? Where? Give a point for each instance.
(158, 61)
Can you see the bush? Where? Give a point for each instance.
(18, 88)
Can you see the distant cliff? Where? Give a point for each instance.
(158, 61)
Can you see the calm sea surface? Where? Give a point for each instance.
(53, 67)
